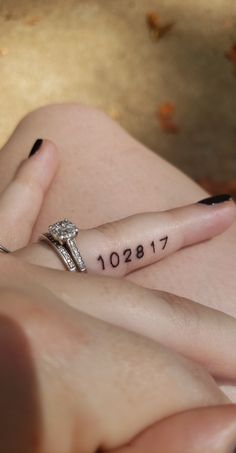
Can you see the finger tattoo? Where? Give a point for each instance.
(129, 255)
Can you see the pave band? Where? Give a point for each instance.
(61, 252)
(75, 253)
(62, 236)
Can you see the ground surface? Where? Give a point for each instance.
(101, 52)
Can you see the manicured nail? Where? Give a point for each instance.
(217, 199)
(36, 146)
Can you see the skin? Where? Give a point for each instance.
(53, 324)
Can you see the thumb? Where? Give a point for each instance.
(202, 430)
(22, 199)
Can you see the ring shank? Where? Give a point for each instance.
(61, 251)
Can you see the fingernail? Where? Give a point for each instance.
(217, 199)
(36, 146)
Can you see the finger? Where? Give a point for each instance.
(202, 430)
(203, 334)
(21, 201)
(99, 385)
(121, 247)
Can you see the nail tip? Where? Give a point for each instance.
(36, 146)
(216, 199)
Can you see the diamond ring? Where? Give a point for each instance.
(62, 236)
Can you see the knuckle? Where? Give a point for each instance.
(118, 289)
(184, 313)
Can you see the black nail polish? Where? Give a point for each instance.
(217, 199)
(36, 146)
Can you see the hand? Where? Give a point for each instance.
(43, 317)
(178, 323)
(71, 382)
(159, 313)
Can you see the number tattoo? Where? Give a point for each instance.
(115, 259)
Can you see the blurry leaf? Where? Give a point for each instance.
(165, 115)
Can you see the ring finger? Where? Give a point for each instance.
(123, 246)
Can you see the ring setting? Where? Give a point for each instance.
(63, 231)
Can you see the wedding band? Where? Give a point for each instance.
(64, 235)
(3, 249)
(61, 252)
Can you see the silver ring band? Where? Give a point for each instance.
(3, 249)
(61, 252)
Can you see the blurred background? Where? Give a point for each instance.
(164, 69)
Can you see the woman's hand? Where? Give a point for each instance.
(79, 350)
(21, 201)
(116, 248)
(178, 323)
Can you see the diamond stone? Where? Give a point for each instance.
(63, 230)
